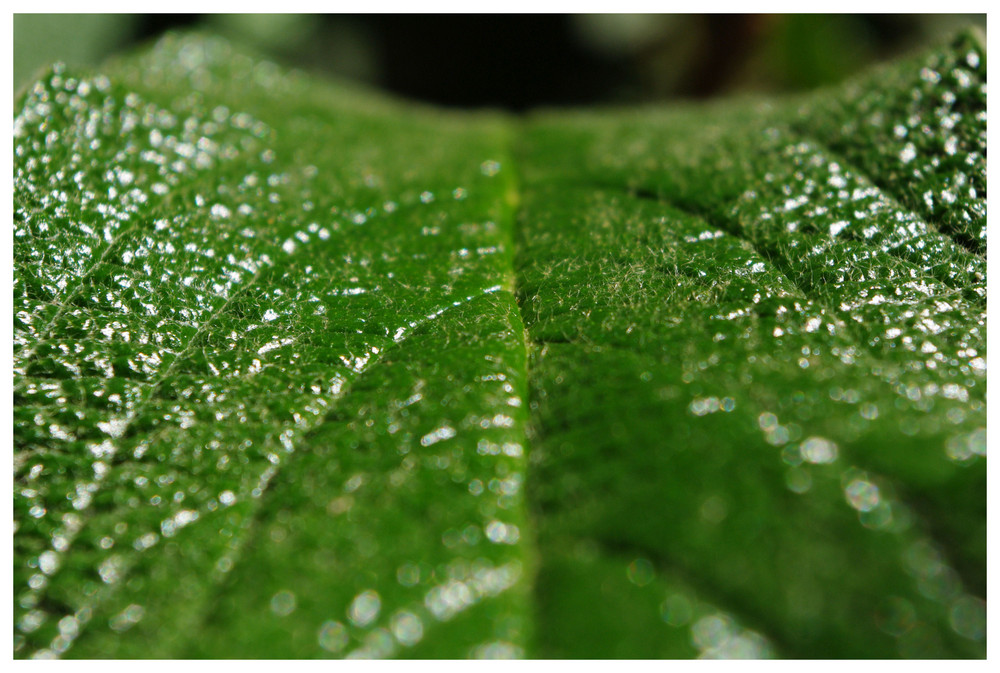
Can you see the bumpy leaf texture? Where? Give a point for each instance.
(300, 371)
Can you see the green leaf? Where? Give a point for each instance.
(257, 353)
(743, 330)
(301, 371)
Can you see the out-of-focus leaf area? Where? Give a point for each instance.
(303, 369)
(519, 62)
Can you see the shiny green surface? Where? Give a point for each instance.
(304, 372)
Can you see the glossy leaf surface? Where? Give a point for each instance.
(305, 372)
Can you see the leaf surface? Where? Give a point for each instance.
(301, 371)
(778, 367)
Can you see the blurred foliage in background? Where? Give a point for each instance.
(516, 61)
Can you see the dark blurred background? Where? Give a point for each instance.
(521, 61)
